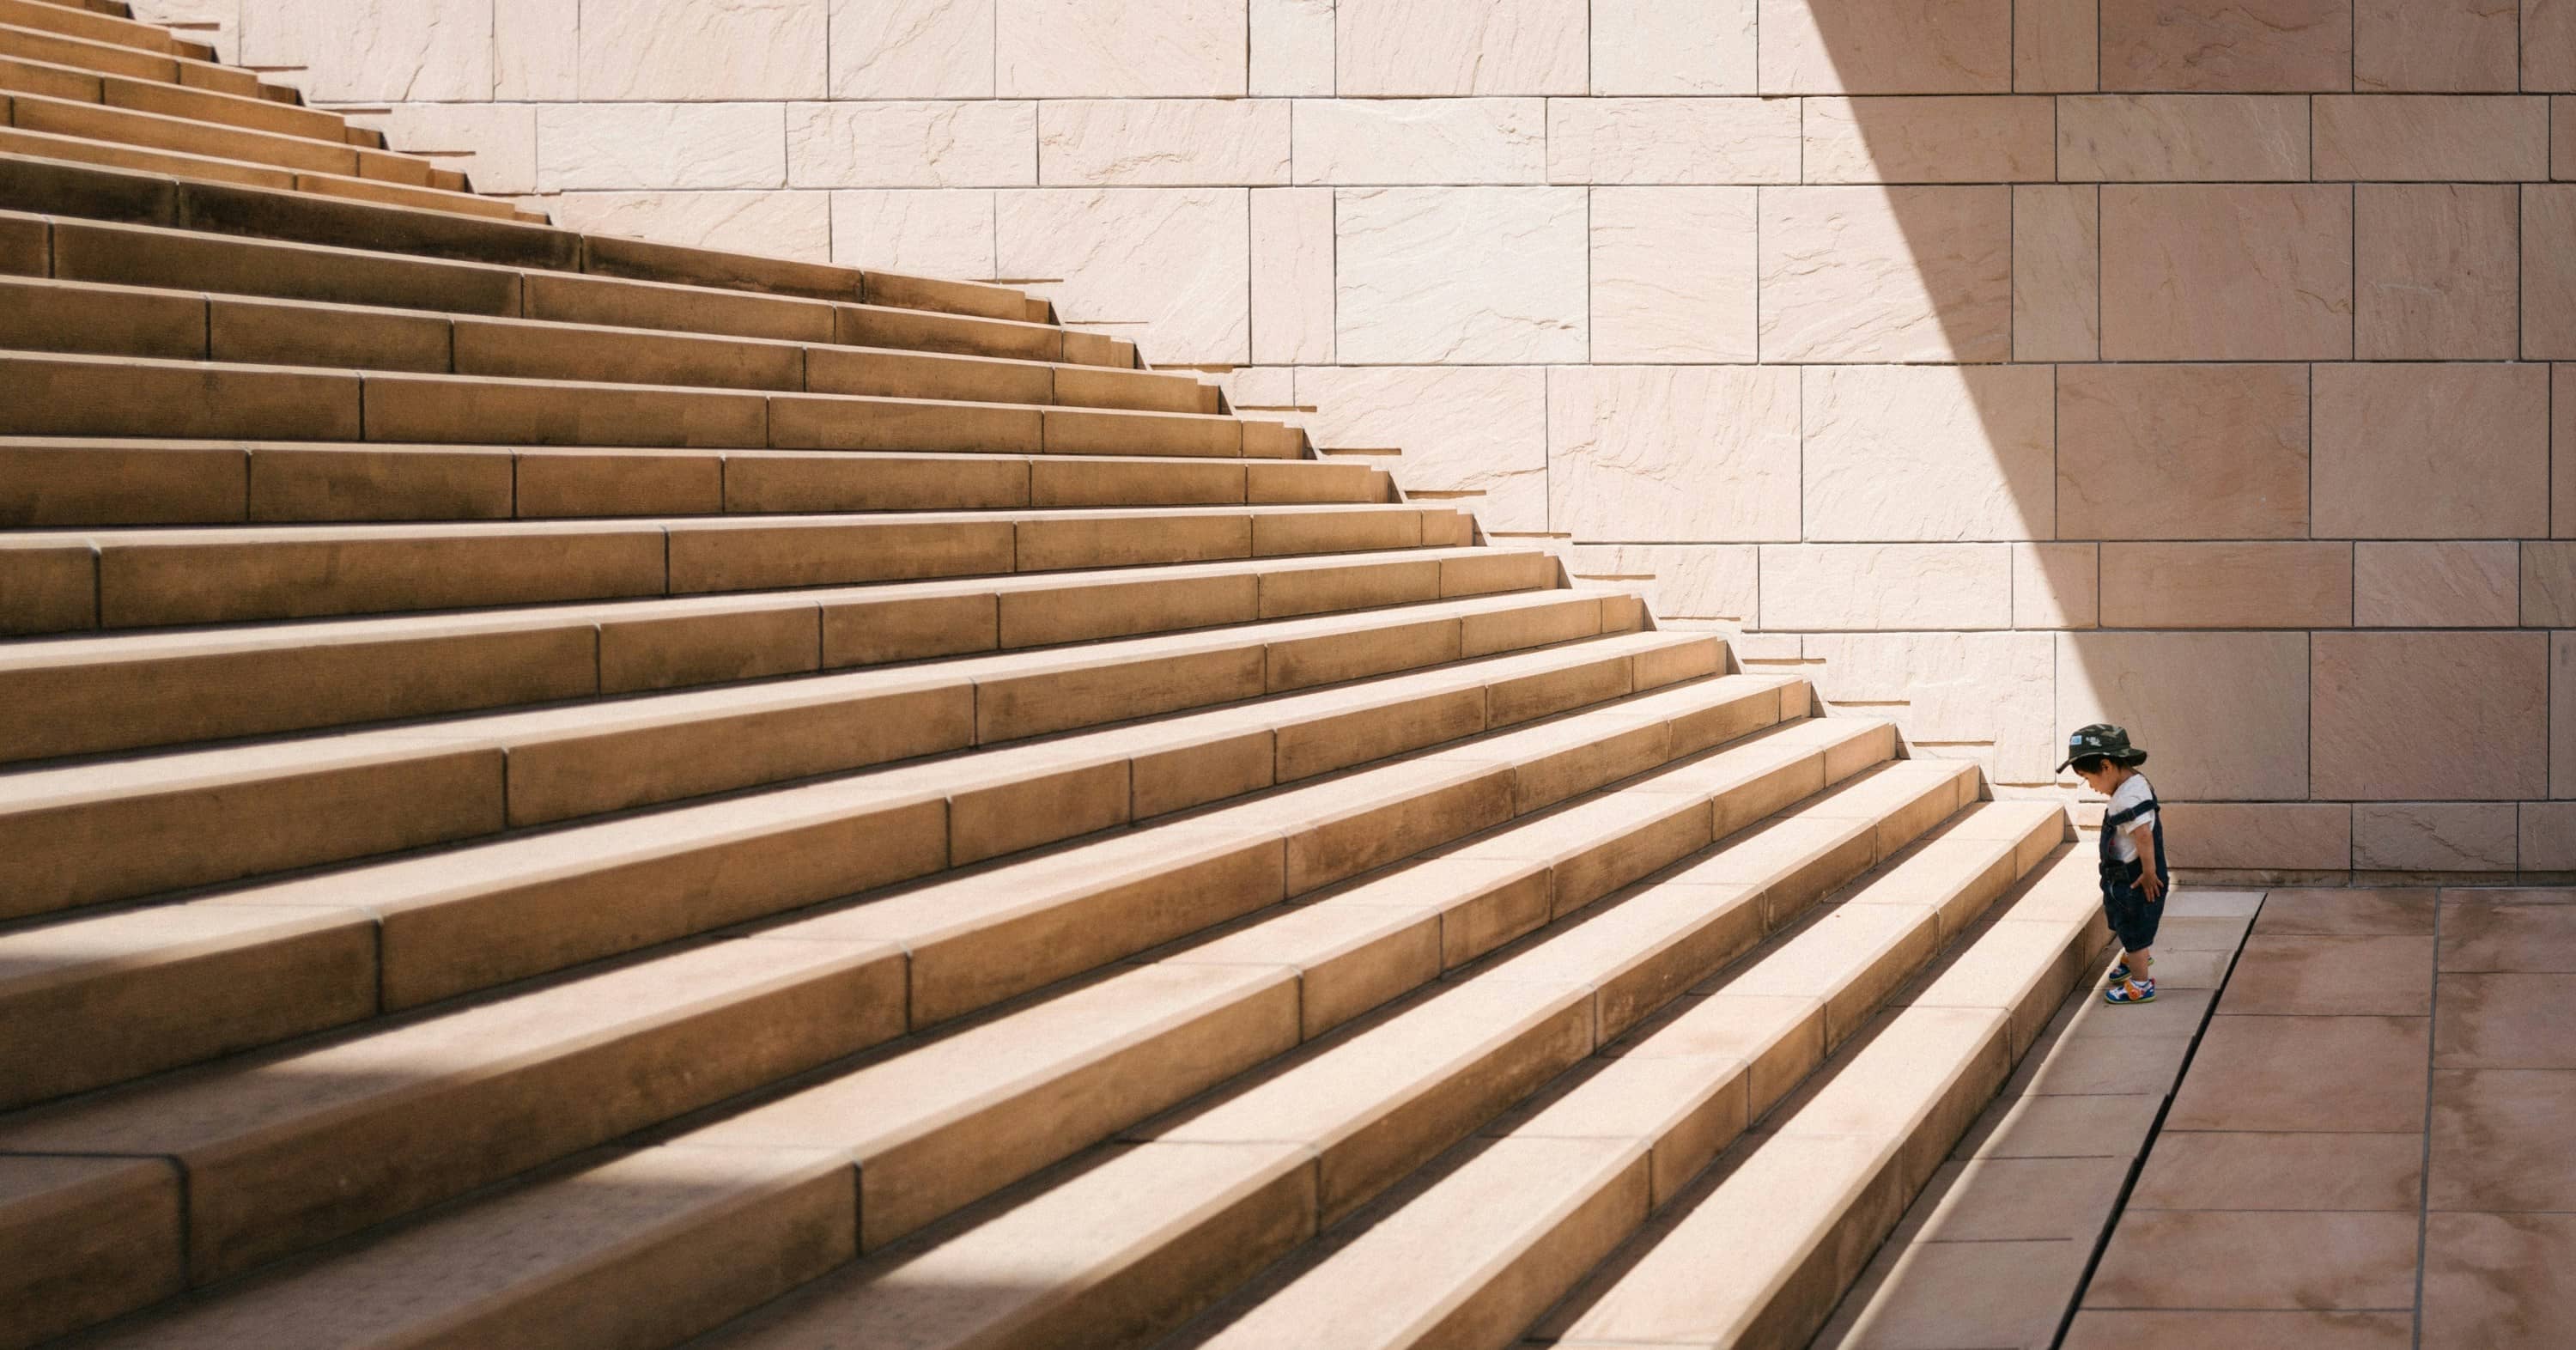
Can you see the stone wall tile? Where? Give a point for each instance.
(1440, 48)
(2549, 272)
(1953, 690)
(778, 224)
(1162, 142)
(2437, 266)
(2437, 137)
(1655, 453)
(2057, 273)
(2435, 584)
(938, 233)
(2182, 452)
(1170, 259)
(2224, 716)
(1900, 453)
(1886, 587)
(1462, 429)
(1292, 274)
(2145, 138)
(2562, 452)
(2442, 451)
(912, 48)
(1672, 140)
(418, 51)
(1672, 274)
(2057, 585)
(2430, 716)
(1709, 583)
(2548, 584)
(2057, 46)
(2548, 837)
(703, 49)
(1672, 46)
(217, 23)
(2549, 45)
(1119, 48)
(1887, 274)
(630, 146)
(2258, 272)
(1929, 140)
(2245, 46)
(1292, 47)
(2562, 137)
(2276, 836)
(494, 143)
(2415, 46)
(975, 143)
(536, 49)
(2562, 715)
(1886, 46)
(2434, 836)
(2227, 585)
(1463, 275)
(1366, 142)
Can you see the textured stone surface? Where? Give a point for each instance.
(1672, 140)
(2056, 46)
(912, 48)
(1119, 48)
(1892, 587)
(536, 49)
(1897, 47)
(1292, 46)
(703, 49)
(1171, 259)
(1160, 142)
(2562, 137)
(2256, 1259)
(1354, 142)
(494, 144)
(2548, 272)
(2287, 835)
(2224, 715)
(1672, 274)
(1705, 582)
(2195, 137)
(2057, 585)
(2057, 273)
(2232, 585)
(2283, 46)
(2449, 451)
(1935, 453)
(2430, 716)
(2562, 423)
(2437, 266)
(2432, 136)
(2548, 584)
(2415, 46)
(2182, 452)
(1673, 453)
(780, 224)
(939, 234)
(1983, 695)
(1929, 140)
(432, 51)
(2436, 584)
(2433, 837)
(1292, 274)
(1466, 275)
(625, 146)
(1887, 274)
(2208, 273)
(1453, 47)
(1672, 46)
(913, 144)
(1461, 429)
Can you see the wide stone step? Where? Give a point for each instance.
(86, 52)
(1040, 1078)
(18, 75)
(98, 27)
(70, 696)
(67, 483)
(1477, 1247)
(83, 150)
(71, 249)
(186, 133)
(37, 184)
(93, 319)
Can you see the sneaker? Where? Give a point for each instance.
(2131, 991)
(2120, 972)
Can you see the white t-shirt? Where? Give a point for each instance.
(2129, 793)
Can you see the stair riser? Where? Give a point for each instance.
(87, 24)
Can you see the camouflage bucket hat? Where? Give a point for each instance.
(2104, 739)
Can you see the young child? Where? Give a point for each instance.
(2134, 875)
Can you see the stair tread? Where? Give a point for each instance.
(72, 49)
(185, 164)
(88, 24)
(331, 155)
(125, 91)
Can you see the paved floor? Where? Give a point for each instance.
(2375, 1145)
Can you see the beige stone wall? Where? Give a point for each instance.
(2004, 363)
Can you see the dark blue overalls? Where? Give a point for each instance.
(2133, 916)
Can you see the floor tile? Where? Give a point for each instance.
(2198, 935)
(2324, 976)
(2109, 1065)
(2504, 1139)
(2485, 935)
(2358, 912)
(2018, 1199)
(2191, 902)
(2499, 1281)
(2362, 1074)
(2064, 1127)
(1942, 1295)
(2176, 1014)
(2191, 970)
(2224, 1170)
(2507, 1022)
(2241, 1331)
(2512, 895)
(2251, 1259)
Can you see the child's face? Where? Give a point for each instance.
(2097, 777)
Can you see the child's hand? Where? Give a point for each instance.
(2151, 886)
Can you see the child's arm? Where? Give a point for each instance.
(2149, 883)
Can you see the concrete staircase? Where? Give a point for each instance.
(559, 790)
